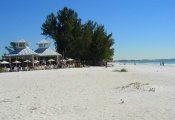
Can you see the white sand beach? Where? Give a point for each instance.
(95, 93)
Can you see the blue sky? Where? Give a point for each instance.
(142, 29)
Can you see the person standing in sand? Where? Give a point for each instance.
(162, 63)
(106, 63)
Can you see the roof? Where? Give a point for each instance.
(43, 42)
(21, 41)
(47, 52)
(22, 52)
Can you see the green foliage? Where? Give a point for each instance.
(1, 70)
(87, 42)
(11, 47)
(123, 70)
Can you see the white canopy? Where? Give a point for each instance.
(36, 61)
(51, 60)
(27, 61)
(4, 62)
(70, 59)
(16, 62)
(63, 60)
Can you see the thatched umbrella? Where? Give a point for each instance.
(16, 62)
(51, 60)
(4, 63)
(27, 61)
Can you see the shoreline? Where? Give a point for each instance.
(146, 64)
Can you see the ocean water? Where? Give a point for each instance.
(156, 61)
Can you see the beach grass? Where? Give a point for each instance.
(2, 70)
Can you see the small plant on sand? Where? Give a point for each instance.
(137, 86)
(122, 101)
(152, 89)
(123, 70)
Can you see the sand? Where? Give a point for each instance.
(145, 92)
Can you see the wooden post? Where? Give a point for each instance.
(33, 61)
(57, 59)
(10, 60)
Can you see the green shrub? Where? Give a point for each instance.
(1, 70)
(123, 70)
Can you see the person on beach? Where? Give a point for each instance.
(134, 63)
(106, 63)
(162, 63)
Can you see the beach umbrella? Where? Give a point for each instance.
(27, 61)
(36, 61)
(16, 62)
(4, 63)
(51, 60)
(70, 59)
(63, 60)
